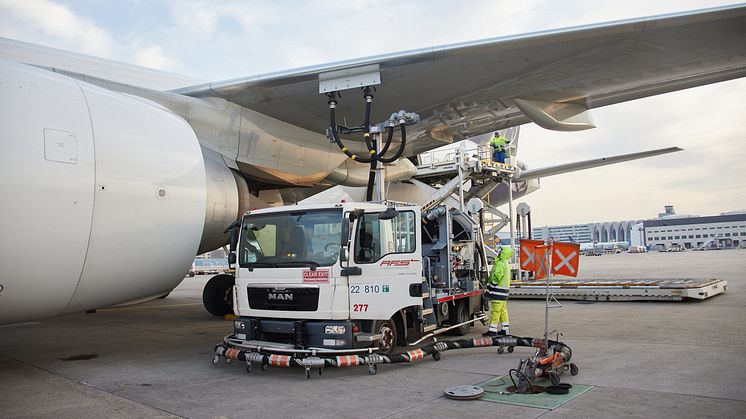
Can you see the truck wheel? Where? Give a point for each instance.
(216, 297)
(462, 315)
(387, 330)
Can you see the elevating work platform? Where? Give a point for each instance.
(620, 289)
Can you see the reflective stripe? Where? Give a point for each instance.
(415, 355)
(483, 341)
(232, 353)
(348, 360)
(279, 360)
(497, 293)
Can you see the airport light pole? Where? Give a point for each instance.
(510, 219)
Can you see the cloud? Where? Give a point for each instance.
(152, 56)
(197, 17)
(57, 24)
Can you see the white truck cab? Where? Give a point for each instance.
(336, 276)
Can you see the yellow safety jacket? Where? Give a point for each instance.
(498, 284)
(499, 142)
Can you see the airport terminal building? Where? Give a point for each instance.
(580, 233)
(718, 231)
(611, 231)
(667, 232)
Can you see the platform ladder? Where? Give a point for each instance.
(427, 314)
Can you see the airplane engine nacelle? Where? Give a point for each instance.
(228, 198)
(103, 196)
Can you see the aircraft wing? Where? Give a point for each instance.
(549, 77)
(528, 174)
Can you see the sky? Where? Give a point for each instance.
(217, 40)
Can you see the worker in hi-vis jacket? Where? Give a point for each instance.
(499, 146)
(498, 288)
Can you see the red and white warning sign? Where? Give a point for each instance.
(540, 261)
(319, 276)
(565, 258)
(528, 259)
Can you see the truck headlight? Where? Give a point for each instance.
(237, 325)
(336, 329)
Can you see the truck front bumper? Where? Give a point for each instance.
(330, 334)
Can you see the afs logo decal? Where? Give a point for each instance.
(402, 263)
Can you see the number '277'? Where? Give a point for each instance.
(359, 307)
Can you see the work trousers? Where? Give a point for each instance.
(498, 314)
(498, 156)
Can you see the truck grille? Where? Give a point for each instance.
(288, 299)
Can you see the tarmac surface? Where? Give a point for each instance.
(643, 359)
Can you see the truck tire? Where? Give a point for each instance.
(387, 329)
(461, 315)
(216, 296)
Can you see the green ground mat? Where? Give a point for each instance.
(494, 387)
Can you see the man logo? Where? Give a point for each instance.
(280, 296)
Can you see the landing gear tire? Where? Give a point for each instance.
(462, 315)
(387, 330)
(216, 297)
(510, 349)
(436, 356)
(500, 350)
(372, 369)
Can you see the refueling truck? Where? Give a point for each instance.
(337, 278)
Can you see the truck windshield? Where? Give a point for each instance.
(290, 239)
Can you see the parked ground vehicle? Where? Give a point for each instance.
(354, 275)
(203, 266)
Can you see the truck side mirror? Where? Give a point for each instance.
(233, 230)
(344, 245)
(345, 236)
(234, 240)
